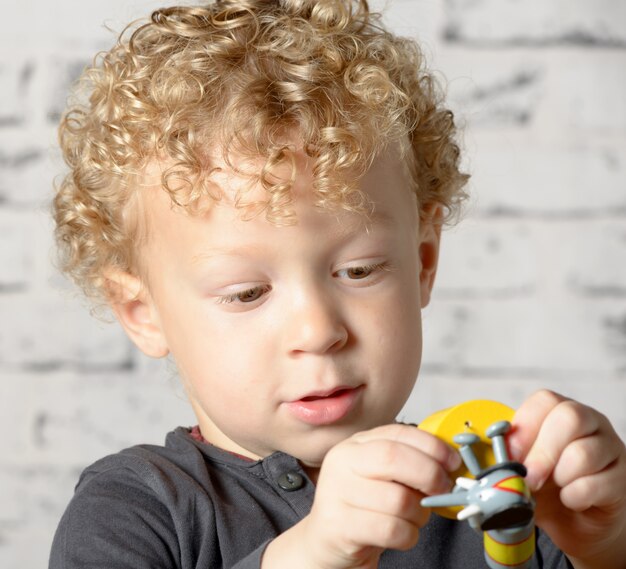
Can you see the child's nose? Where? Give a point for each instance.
(315, 325)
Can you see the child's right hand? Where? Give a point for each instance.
(367, 500)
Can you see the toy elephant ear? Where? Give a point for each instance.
(473, 417)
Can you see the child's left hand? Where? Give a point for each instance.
(577, 472)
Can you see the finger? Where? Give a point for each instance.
(373, 529)
(527, 421)
(387, 498)
(427, 443)
(393, 461)
(584, 457)
(566, 422)
(601, 490)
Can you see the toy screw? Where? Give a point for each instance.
(496, 433)
(466, 440)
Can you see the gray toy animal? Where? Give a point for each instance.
(496, 501)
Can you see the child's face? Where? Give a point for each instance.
(290, 338)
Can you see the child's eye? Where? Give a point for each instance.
(245, 296)
(361, 272)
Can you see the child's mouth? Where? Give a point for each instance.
(336, 393)
(325, 408)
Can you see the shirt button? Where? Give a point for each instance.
(291, 481)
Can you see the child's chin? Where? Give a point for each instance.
(310, 453)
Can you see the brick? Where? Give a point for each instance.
(74, 418)
(592, 258)
(15, 78)
(16, 546)
(15, 409)
(486, 258)
(27, 169)
(586, 91)
(421, 19)
(535, 22)
(16, 251)
(497, 258)
(48, 332)
(71, 24)
(549, 336)
(521, 175)
(495, 89)
(555, 92)
(446, 326)
(62, 74)
(33, 499)
(27, 490)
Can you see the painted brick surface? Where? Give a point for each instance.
(549, 92)
(552, 336)
(492, 259)
(536, 23)
(61, 72)
(16, 254)
(25, 171)
(47, 333)
(15, 77)
(517, 174)
(531, 290)
(521, 258)
(64, 418)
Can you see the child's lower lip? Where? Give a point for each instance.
(324, 410)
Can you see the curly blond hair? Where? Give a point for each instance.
(238, 75)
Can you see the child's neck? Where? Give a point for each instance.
(195, 433)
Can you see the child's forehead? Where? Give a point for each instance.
(239, 179)
(222, 236)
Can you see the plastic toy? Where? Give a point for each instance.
(495, 499)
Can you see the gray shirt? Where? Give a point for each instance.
(191, 505)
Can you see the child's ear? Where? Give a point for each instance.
(429, 239)
(133, 307)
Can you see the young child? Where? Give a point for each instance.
(257, 188)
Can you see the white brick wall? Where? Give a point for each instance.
(532, 285)
(537, 22)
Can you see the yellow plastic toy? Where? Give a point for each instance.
(490, 490)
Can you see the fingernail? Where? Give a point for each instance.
(515, 452)
(534, 480)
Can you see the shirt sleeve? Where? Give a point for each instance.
(253, 560)
(115, 522)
